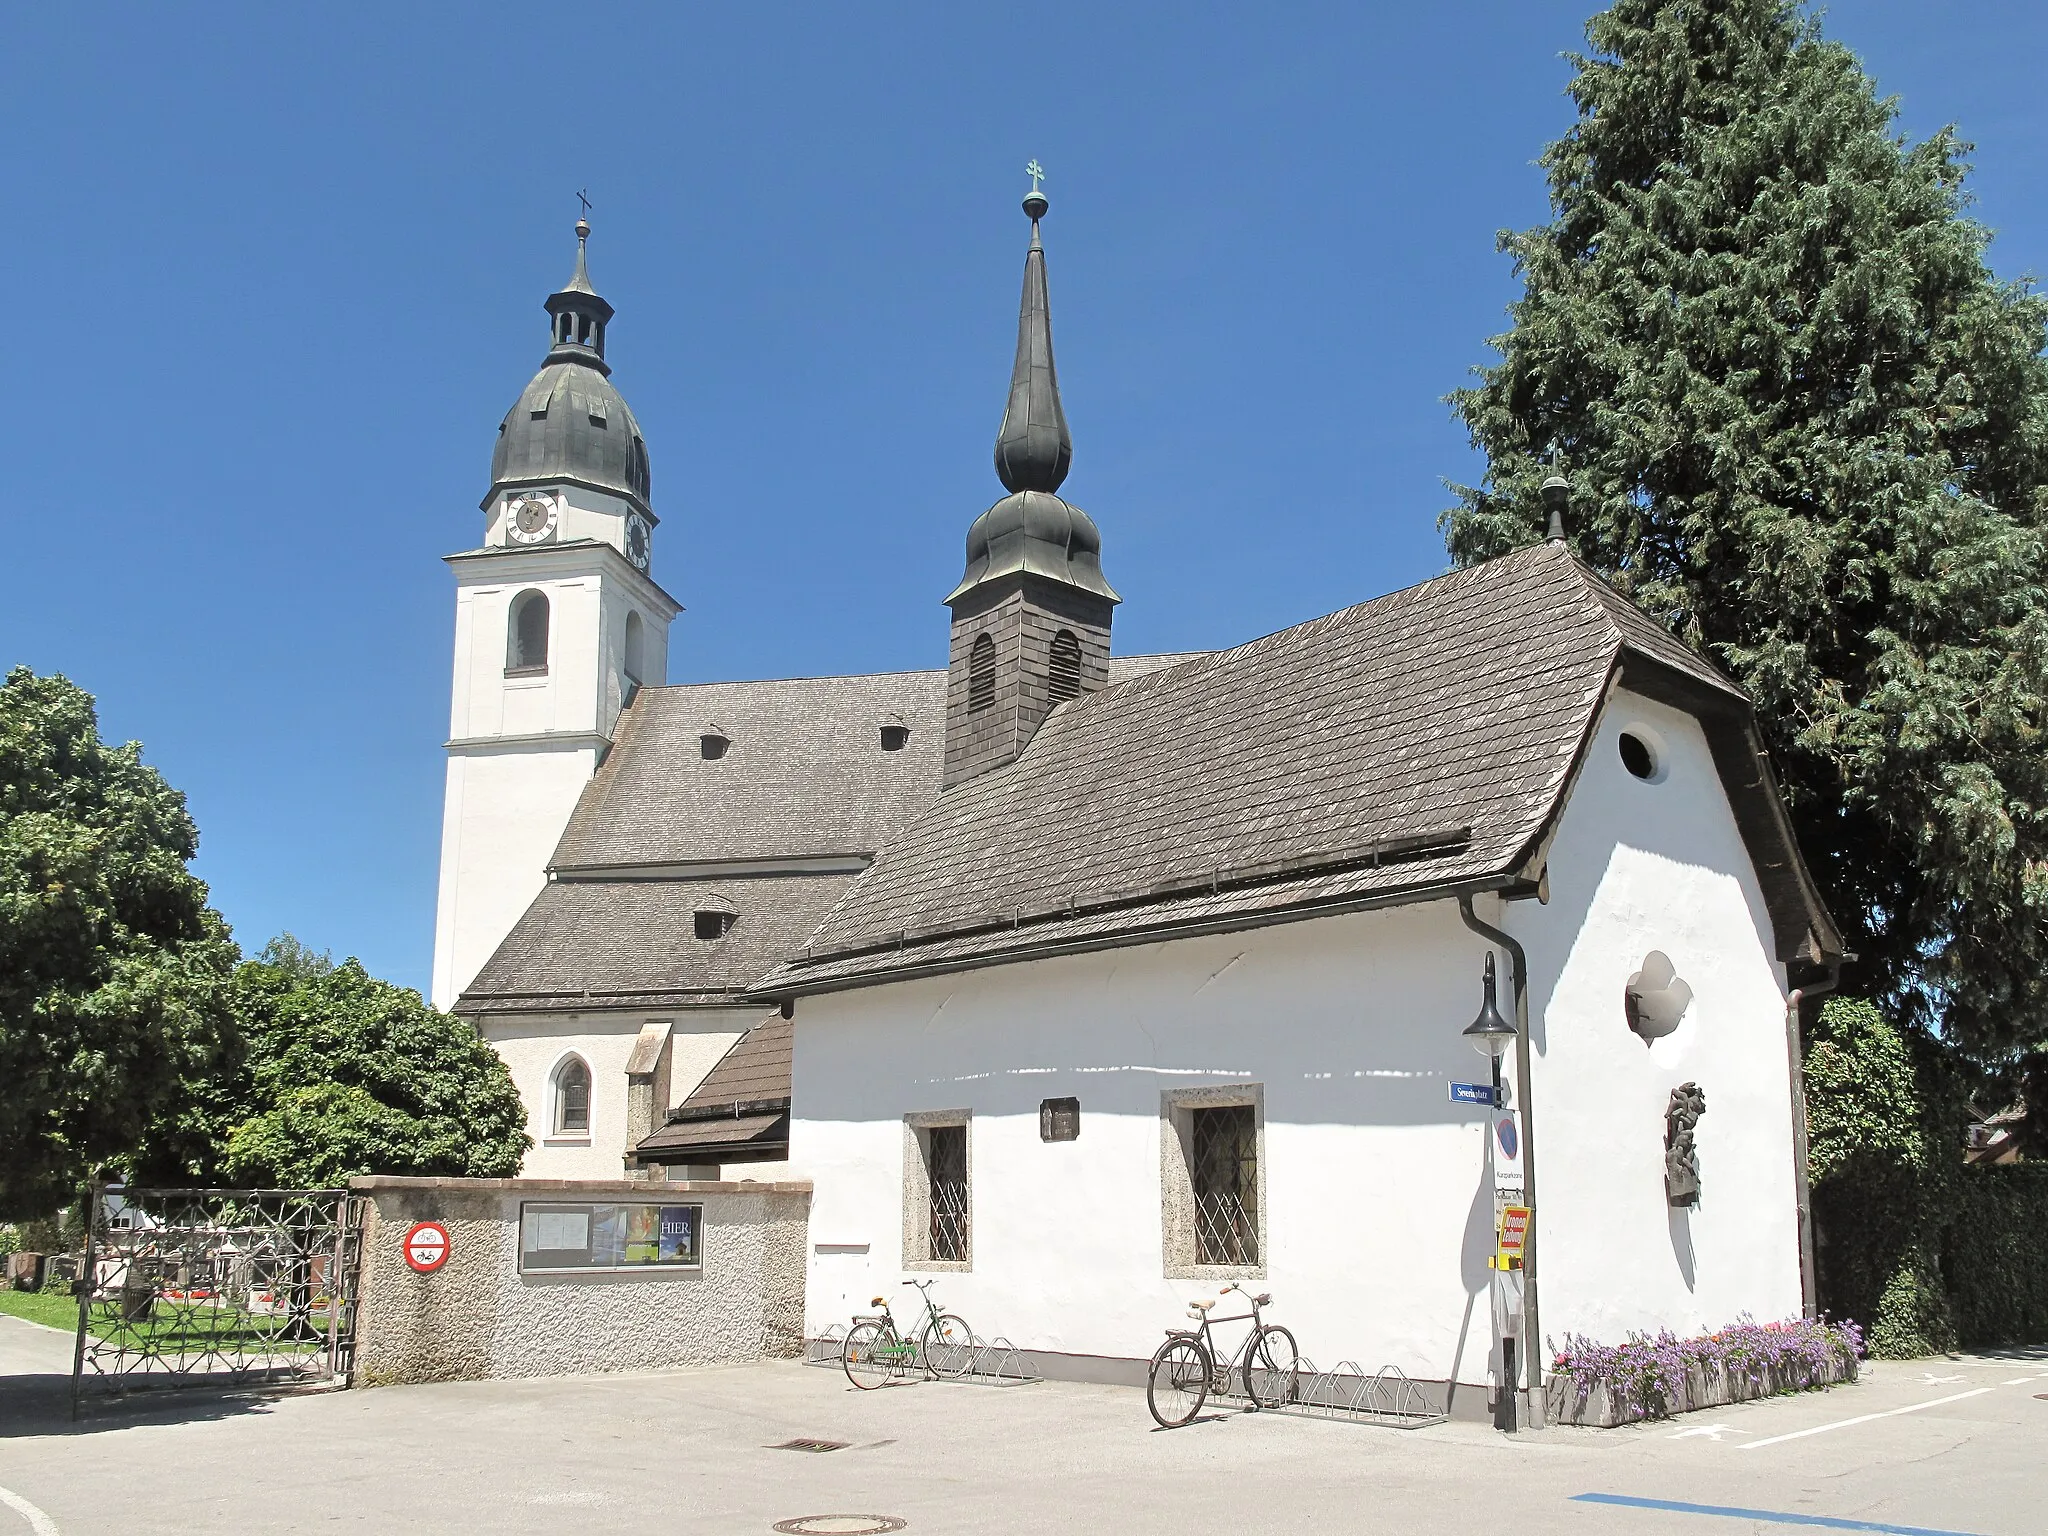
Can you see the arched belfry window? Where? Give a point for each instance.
(1063, 672)
(981, 673)
(636, 650)
(572, 1098)
(526, 637)
(637, 471)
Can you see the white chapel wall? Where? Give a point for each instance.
(1657, 865)
(1379, 1202)
(1379, 1197)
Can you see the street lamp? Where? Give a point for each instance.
(1491, 1035)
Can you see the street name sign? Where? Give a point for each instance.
(1472, 1093)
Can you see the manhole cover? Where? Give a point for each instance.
(810, 1445)
(839, 1525)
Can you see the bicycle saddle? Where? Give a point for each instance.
(879, 1301)
(1201, 1306)
(1265, 1299)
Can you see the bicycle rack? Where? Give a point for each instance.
(828, 1348)
(1346, 1394)
(996, 1362)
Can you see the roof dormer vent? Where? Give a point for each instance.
(895, 734)
(714, 916)
(712, 743)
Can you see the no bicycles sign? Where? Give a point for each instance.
(426, 1246)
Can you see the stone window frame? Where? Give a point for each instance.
(917, 1189)
(557, 1135)
(1177, 1185)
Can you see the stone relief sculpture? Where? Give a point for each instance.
(1656, 997)
(1681, 1159)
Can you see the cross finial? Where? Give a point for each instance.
(1036, 172)
(583, 197)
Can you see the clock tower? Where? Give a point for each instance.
(557, 623)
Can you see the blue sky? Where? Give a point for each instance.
(274, 274)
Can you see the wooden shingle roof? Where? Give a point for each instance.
(1417, 744)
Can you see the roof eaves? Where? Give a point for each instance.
(794, 979)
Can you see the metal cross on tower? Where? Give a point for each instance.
(1036, 172)
(583, 197)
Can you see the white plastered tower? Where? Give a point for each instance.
(557, 621)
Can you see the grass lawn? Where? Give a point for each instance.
(42, 1307)
(170, 1327)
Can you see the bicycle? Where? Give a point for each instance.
(875, 1351)
(1184, 1369)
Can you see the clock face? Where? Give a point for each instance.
(530, 519)
(637, 540)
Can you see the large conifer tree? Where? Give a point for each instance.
(1807, 429)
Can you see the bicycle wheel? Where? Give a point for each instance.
(866, 1357)
(1272, 1368)
(948, 1347)
(1179, 1382)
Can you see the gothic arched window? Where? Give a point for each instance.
(526, 639)
(1063, 673)
(981, 673)
(572, 1097)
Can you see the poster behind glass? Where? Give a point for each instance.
(638, 1236)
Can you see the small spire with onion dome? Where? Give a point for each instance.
(1034, 449)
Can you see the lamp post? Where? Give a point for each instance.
(1493, 1036)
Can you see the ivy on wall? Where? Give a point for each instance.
(1928, 1254)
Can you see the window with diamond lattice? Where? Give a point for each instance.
(947, 1162)
(1226, 1185)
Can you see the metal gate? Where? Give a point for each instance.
(217, 1288)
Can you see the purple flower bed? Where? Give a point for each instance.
(1651, 1378)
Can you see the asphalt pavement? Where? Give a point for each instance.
(1953, 1446)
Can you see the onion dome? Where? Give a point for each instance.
(570, 425)
(1032, 530)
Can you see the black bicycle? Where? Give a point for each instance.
(875, 1352)
(1185, 1369)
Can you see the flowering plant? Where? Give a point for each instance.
(1645, 1376)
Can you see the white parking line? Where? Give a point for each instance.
(1865, 1418)
(38, 1522)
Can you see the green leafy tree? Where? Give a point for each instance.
(1885, 1112)
(114, 973)
(1807, 429)
(345, 1074)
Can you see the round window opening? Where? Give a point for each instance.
(1637, 757)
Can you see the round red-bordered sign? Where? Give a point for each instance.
(426, 1246)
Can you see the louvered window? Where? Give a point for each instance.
(1063, 673)
(981, 673)
(946, 1160)
(1226, 1185)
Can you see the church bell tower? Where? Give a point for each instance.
(1032, 611)
(557, 623)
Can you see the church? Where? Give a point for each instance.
(1094, 981)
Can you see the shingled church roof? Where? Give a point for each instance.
(773, 829)
(1413, 746)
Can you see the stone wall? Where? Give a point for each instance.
(478, 1316)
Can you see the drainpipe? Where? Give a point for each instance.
(1532, 1333)
(1809, 1281)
